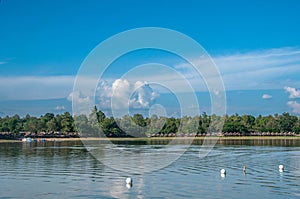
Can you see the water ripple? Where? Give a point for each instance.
(67, 170)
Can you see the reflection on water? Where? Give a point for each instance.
(247, 142)
(68, 170)
(262, 142)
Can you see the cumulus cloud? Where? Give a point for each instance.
(104, 93)
(294, 93)
(119, 94)
(269, 68)
(266, 96)
(79, 97)
(143, 95)
(135, 95)
(60, 108)
(295, 106)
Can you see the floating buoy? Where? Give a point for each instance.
(128, 186)
(128, 181)
(244, 169)
(223, 171)
(281, 168)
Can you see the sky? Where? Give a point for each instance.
(254, 44)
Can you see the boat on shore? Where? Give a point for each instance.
(32, 140)
(27, 140)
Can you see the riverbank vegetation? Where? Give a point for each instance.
(98, 125)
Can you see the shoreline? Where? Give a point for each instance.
(167, 138)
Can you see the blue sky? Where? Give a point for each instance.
(255, 44)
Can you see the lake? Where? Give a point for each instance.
(67, 169)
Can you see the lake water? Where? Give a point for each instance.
(68, 170)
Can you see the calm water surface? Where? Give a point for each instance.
(67, 170)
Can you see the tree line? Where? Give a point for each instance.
(98, 124)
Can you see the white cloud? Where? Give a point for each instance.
(121, 91)
(104, 93)
(60, 108)
(294, 93)
(261, 69)
(136, 95)
(2, 62)
(264, 69)
(266, 96)
(35, 87)
(254, 70)
(257, 60)
(143, 95)
(78, 97)
(120, 94)
(295, 106)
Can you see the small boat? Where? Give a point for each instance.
(27, 140)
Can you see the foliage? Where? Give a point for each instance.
(97, 124)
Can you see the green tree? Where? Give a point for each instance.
(130, 127)
(296, 127)
(15, 124)
(171, 126)
(271, 124)
(259, 124)
(234, 124)
(100, 116)
(52, 125)
(44, 120)
(33, 125)
(139, 120)
(188, 125)
(154, 124)
(110, 128)
(205, 122)
(248, 121)
(82, 125)
(93, 120)
(5, 124)
(287, 122)
(67, 123)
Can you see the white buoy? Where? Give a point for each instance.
(281, 168)
(128, 181)
(223, 171)
(128, 186)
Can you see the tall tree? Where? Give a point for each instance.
(287, 122)
(67, 123)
